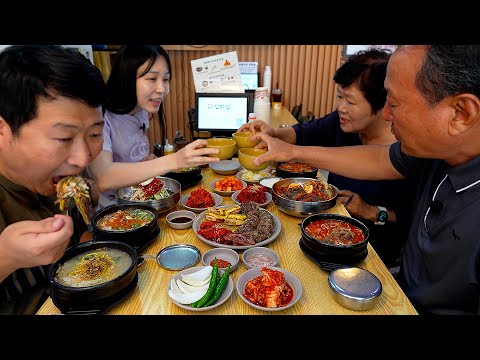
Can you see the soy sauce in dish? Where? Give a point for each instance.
(181, 220)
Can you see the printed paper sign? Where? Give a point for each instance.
(218, 73)
(248, 67)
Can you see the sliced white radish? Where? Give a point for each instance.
(187, 298)
(175, 288)
(199, 275)
(184, 287)
(192, 282)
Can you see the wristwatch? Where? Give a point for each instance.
(382, 215)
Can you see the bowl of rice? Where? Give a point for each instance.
(162, 193)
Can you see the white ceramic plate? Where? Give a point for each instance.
(224, 193)
(268, 198)
(200, 217)
(291, 280)
(225, 167)
(218, 200)
(224, 297)
(258, 175)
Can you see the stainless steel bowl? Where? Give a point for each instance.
(354, 288)
(123, 195)
(300, 208)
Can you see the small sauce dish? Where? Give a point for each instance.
(180, 219)
(225, 256)
(259, 256)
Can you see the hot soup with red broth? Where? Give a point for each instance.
(335, 232)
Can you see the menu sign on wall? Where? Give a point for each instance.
(217, 73)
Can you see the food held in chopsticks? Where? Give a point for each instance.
(74, 186)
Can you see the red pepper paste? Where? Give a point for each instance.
(221, 263)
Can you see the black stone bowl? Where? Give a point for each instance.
(97, 298)
(186, 177)
(137, 238)
(289, 174)
(341, 252)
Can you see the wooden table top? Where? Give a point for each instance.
(150, 295)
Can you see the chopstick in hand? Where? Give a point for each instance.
(350, 198)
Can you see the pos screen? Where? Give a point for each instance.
(221, 112)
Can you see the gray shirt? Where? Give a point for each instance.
(440, 266)
(126, 138)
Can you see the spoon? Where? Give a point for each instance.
(142, 258)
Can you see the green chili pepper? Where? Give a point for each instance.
(211, 286)
(220, 287)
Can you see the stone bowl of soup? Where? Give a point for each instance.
(93, 276)
(163, 193)
(289, 170)
(186, 176)
(335, 236)
(133, 224)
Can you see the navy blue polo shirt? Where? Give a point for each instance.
(440, 264)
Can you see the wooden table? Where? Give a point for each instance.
(150, 296)
(281, 117)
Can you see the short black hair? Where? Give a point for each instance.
(121, 84)
(366, 69)
(30, 72)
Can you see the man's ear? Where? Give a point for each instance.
(467, 113)
(3, 126)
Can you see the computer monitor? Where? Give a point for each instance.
(250, 81)
(221, 113)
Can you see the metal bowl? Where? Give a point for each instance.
(123, 195)
(300, 208)
(354, 288)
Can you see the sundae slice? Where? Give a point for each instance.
(74, 186)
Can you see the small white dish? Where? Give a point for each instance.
(178, 219)
(259, 256)
(252, 273)
(221, 253)
(225, 193)
(268, 198)
(225, 167)
(217, 198)
(252, 177)
(223, 297)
